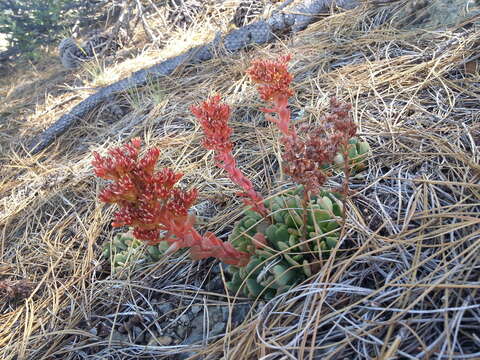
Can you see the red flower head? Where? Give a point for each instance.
(122, 161)
(305, 160)
(275, 80)
(273, 77)
(150, 203)
(146, 198)
(213, 117)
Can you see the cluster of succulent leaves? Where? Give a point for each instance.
(125, 250)
(297, 240)
(357, 151)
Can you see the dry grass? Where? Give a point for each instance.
(406, 282)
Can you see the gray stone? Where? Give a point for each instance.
(138, 334)
(160, 341)
(185, 319)
(181, 331)
(116, 336)
(239, 313)
(215, 284)
(218, 328)
(196, 309)
(165, 307)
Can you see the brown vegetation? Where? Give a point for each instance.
(410, 284)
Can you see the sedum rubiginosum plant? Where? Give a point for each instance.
(150, 202)
(305, 220)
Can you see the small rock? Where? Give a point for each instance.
(181, 331)
(138, 335)
(93, 331)
(122, 329)
(160, 341)
(184, 319)
(165, 307)
(225, 313)
(239, 313)
(196, 309)
(164, 340)
(216, 269)
(116, 336)
(215, 284)
(218, 328)
(216, 315)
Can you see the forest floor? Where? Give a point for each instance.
(406, 283)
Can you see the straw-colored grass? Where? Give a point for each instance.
(406, 281)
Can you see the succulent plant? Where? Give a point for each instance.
(266, 275)
(124, 249)
(287, 250)
(290, 248)
(357, 153)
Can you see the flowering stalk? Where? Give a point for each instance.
(150, 203)
(304, 160)
(274, 80)
(213, 117)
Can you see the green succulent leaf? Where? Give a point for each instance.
(249, 223)
(332, 225)
(331, 241)
(254, 289)
(338, 160)
(291, 261)
(281, 233)
(306, 268)
(352, 152)
(293, 240)
(293, 203)
(154, 252)
(297, 258)
(106, 250)
(253, 267)
(326, 203)
(337, 209)
(321, 216)
(283, 275)
(297, 218)
(363, 148)
(119, 243)
(288, 220)
(253, 215)
(120, 259)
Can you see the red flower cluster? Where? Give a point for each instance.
(274, 80)
(305, 160)
(273, 77)
(150, 203)
(213, 117)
